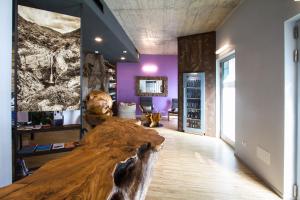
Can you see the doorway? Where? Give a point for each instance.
(227, 98)
(297, 99)
(291, 108)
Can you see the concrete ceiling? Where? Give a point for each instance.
(154, 25)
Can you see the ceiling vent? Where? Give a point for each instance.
(100, 5)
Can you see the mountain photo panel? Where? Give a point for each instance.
(48, 69)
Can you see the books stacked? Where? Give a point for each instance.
(47, 147)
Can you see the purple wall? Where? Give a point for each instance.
(126, 72)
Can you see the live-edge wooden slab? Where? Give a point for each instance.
(112, 163)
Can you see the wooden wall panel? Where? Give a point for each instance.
(196, 53)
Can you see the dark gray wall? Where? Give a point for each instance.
(94, 23)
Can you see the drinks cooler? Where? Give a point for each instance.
(194, 103)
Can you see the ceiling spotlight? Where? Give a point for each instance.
(98, 39)
(124, 51)
(123, 58)
(96, 52)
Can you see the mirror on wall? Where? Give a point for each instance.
(151, 86)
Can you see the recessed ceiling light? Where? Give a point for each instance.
(123, 58)
(96, 52)
(124, 51)
(98, 39)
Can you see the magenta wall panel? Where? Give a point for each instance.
(166, 65)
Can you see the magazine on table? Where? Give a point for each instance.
(58, 146)
(46, 147)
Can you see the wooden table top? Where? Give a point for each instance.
(87, 172)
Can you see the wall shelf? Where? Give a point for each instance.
(39, 153)
(50, 129)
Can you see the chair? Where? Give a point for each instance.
(174, 109)
(146, 105)
(127, 110)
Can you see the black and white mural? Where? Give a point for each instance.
(48, 77)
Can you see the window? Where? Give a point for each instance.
(228, 99)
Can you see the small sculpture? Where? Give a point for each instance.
(99, 107)
(151, 119)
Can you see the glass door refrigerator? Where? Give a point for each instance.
(194, 103)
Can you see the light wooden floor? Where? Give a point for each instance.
(192, 167)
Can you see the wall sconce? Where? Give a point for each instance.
(149, 68)
(222, 49)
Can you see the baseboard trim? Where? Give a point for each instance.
(266, 182)
(228, 141)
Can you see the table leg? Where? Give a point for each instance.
(21, 141)
(32, 136)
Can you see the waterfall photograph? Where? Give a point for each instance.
(48, 61)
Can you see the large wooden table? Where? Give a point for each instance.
(114, 162)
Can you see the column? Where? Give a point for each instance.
(6, 8)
